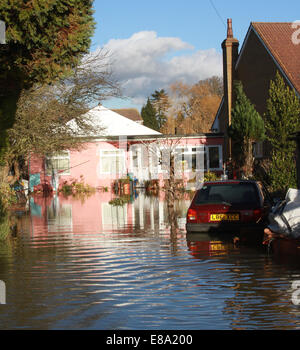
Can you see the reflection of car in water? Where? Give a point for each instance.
(207, 245)
(229, 205)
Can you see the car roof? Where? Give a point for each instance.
(229, 182)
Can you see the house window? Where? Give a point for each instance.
(145, 156)
(214, 157)
(199, 158)
(112, 162)
(58, 162)
(258, 149)
(194, 158)
(135, 156)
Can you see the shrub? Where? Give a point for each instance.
(210, 176)
(7, 195)
(76, 187)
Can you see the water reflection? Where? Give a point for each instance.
(88, 264)
(97, 214)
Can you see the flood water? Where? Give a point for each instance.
(88, 264)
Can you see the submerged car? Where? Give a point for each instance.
(228, 205)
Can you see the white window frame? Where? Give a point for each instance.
(120, 152)
(55, 157)
(204, 149)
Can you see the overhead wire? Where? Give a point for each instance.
(217, 12)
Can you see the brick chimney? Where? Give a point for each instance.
(230, 48)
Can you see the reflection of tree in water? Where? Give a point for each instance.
(8, 223)
(4, 225)
(174, 212)
(172, 218)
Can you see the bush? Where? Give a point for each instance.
(210, 176)
(76, 187)
(7, 195)
(120, 201)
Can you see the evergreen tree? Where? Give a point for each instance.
(148, 114)
(45, 39)
(160, 102)
(281, 119)
(246, 127)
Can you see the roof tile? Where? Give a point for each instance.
(278, 37)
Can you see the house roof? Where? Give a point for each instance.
(130, 113)
(114, 124)
(278, 38)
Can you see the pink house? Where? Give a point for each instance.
(124, 148)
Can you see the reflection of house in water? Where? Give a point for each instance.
(95, 214)
(59, 218)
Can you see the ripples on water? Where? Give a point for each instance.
(89, 265)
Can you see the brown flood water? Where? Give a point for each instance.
(87, 264)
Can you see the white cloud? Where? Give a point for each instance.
(145, 62)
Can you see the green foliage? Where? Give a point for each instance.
(120, 201)
(210, 176)
(7, 196)
(160, 102)
(76, 188)
(45, 40)
(282, 173)
(246, 126)
(246, 123)
(148, 114)
(155, 110)
(281, 119)
(4, 226)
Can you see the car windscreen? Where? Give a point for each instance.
(238, 193)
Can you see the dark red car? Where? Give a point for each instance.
(228, 205)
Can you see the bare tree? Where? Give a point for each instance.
(43, 112)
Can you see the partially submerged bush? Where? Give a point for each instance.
(76, 187)
(120, 201)
(210, 176)
(7, 195)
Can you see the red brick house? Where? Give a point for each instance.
(267, 48)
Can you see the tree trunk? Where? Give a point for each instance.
(249, 159)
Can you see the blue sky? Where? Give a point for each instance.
(155, 43)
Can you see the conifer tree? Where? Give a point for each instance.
(148, 114)
(246, 127)
(160, 102)
(281, 119)
(45, 39)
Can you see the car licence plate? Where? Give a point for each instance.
(224, 217)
